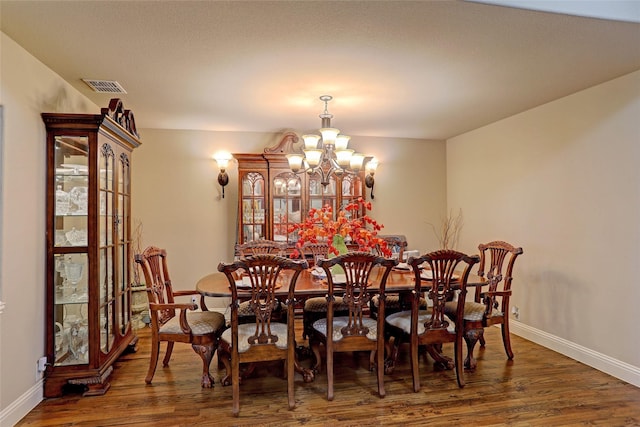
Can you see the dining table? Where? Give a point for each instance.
(400, 281)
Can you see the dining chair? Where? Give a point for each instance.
(354, 331)
(398, 244)
(490, 305)
(265, 339)
(172, 321)
(316, 308)
(431, 327)
(256, 247)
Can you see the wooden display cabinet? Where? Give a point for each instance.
(271, 197)
(88, 240)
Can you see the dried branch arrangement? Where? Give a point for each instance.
(136, 248)
(450, 228)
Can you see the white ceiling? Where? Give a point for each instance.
(415, 69)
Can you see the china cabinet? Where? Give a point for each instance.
(88, 240)
(271, 197)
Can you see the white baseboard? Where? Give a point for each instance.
(19, 408)
(599, 361)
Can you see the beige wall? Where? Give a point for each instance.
(562, 181)
(27, 88)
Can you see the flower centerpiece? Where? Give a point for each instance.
(319, 226)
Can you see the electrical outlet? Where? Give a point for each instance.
(515, 310)
(41, 366)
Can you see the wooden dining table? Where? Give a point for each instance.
(308, 286)
(400, 281)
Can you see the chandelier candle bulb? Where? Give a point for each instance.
(329, 135)
(342, 141)
(343, 157)
(311, 141)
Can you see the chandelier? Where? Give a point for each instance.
(327, 154)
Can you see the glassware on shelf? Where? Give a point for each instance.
(79, 197)
(76, 237)
(73, 273)
(78, 338)
(62, 201)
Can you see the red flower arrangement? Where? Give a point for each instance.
(320, 226)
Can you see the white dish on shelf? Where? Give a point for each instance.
(75, 168)
(403, 266)
(318, 273)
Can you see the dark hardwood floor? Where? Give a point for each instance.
(539, 388)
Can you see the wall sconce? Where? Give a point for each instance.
(370, 169)
(222, 158)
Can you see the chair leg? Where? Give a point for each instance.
(459, 365)
(329, 372)
(155, 349)
(415, 371)
(206, 353)
(235, 385)
(290, 374)
(392, 355)
(380, 369)
(224, 360)
(471, 336)
(506, 339)
(167, 355)
(315, 348)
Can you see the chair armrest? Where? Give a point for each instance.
(184, 325)
(173, 306)
(498, 293)
(192, 292)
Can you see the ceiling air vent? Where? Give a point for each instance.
(105, 86)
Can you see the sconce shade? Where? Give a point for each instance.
(222, 158)
(371, 166)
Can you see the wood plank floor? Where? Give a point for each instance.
(539, 388)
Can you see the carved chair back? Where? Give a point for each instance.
(315, 250)
(153, 262)
(498, 275)
(256, 247)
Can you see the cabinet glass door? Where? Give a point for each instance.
(287, 205)
(124, 244)
(106, 220)
(253, 207)
(351, 189)
(321, 195)
(71, 298)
